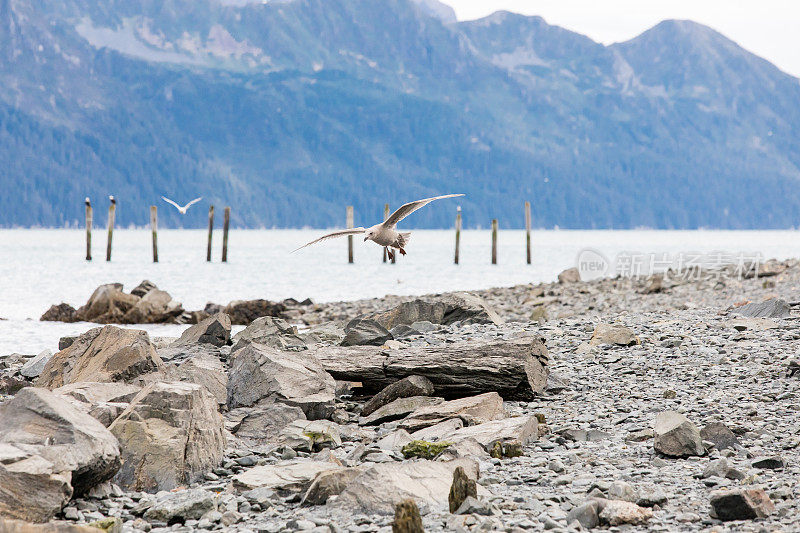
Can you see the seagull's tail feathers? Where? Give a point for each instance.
(402, 239)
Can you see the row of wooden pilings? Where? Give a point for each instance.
(112, 210)
(349, 220)
(226, 225)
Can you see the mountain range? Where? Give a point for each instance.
(290, 110)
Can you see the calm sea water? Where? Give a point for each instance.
(40, 267)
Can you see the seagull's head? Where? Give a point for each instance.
(368, 234)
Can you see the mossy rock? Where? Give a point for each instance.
(424, 449)
(506, 450)
(319, 440)
(109, 525)
(539, 314)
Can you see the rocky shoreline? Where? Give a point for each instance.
(663, 404)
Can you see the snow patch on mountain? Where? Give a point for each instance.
(137, 38)
(127, 40)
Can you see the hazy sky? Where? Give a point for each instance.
(769, 28)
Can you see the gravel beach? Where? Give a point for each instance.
(667, 403)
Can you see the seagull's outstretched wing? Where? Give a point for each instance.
(190, 204)
(410, 207)
(171, 202)
(340, 233)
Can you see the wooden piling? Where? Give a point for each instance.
(494, 241)
(154, 230)
(385, 216)
(112, 212)
(458, 232)
(528, 230)
(210, 231)
(349, 237)
(88, 229)
(225, 225)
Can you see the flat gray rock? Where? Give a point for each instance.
(772, 308)
(36, 365)
(406, 387)
(189, 504)
(398, 409)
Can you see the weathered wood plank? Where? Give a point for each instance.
(515, 369)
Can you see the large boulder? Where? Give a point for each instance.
(379, 488)
(60, 313)
(516, 368)
(675, 436)
(471, 410)
(170, 435)
(263, 422)
(155, 307)
(365, 332)
(405, 388)
(259, 372)
(215, 330)
(243, 312)
(447, 309)
(107, 305)
(40, 422)
(104, 354)
(31, 488)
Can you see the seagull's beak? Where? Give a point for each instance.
(366, 239)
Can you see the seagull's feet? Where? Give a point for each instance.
(402, 252)
(390, 253)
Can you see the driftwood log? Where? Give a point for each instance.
(516, 369)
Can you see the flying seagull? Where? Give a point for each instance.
(183, 209)
(384, 233)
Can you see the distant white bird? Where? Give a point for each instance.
(182, 210)
(384, 233)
